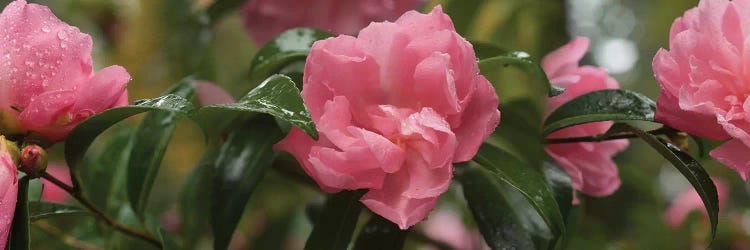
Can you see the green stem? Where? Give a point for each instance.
(90, 206)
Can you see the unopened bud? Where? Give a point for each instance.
(33, 160)
(12, 148)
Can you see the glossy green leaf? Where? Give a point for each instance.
(484, 50)
(276, 96)
(19, 238)
(521, 122)
(691, 169)
(105, 167)
(524, 62)
(150, 142)
(602, 105)
(240, 165)
(84, 134)
(335, 226)
(291, 46)
(380, 233)
(41, 210)
(527, 180)
(561, 185)
(193, 207)
(492, 212)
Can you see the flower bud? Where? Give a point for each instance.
(33, 160)
(11, 147)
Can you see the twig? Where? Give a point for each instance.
(67, 239)
(90, 206)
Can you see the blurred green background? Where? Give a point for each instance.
(158, 45)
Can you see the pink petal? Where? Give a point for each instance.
(50, 191)
(299, 145)
(48, 109)
(210, 94)
(103, 91)
(480, 119)
(689, 201)
(565, 58)
(8, 194)
(733, 154)
(44, 54)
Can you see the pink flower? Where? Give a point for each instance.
(47, 83)
(688, 201)
(265, 19)
(704, 78)
(446, 226)
(50, 191)
(395, 107)
(210, 94)
(8, 192)
(589, 164)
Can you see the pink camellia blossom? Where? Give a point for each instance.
(50, 191)
(47, 83)
(395, 107)
(589, 164)
(265, 19)
(8, 191)
(689, 201)
(210, 94)
(445, 225)
(704, 78)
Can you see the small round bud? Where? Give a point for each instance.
(33, 160)
(12, 148)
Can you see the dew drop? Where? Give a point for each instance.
(62, 35)
(45, 29)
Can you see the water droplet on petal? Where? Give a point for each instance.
(45, 29)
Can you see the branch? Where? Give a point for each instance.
(606, 136)
(90, 206)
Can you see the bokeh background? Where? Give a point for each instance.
(158, 45)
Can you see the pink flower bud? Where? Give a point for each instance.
(33, 160)
(395, 107)
(47, 81)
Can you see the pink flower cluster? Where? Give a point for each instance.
(395, 108)
(589, 164)
(265, 19)
(704, 78)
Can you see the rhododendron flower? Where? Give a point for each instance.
(704, 78)
(589, 164)
(8, 191)
(265, 19)
(50, 191)
(47, 83)
(395, 107)
(689, 201)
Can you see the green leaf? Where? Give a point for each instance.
(105, 167)
(240, 165)
(492, 212)
(561, 185)
(84, 134)
(484, 50)
(41, 210)
(602, 105)
(334, 229)
(691, 169)
(149, 145)
(193, 196)
(521, 122)
(522, 61)
(18, 237)
(527, 180)
(276, 96)
(291, 46)
(380, 233)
